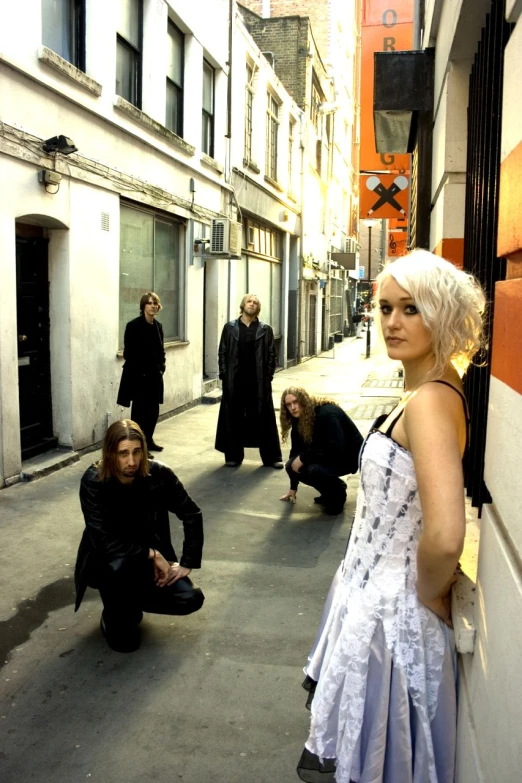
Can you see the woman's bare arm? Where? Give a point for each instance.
(433, 422)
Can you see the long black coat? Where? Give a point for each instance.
(111, 540)
(266, 362)
(141, 367)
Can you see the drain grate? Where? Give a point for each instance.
(363, 412)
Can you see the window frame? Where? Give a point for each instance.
(271, 140)
(77, 32)
(179, 87)
(208, 117)
(249, 107)
(291, 139)
(164, 217)
(138, 55)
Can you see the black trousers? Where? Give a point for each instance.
(322, 477)
(127, 595)
(145, 412)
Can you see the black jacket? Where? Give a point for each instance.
(116, 538)
(336, 441)
(142, 365)
(266, 362)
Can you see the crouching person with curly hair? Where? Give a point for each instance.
(325, 446)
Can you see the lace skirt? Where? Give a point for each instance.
(394, 742)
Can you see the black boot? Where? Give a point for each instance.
(124, 641)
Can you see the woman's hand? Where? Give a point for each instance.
(176, 572)
(441, 606)
(290, 496)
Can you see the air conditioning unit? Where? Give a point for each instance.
(351, 245)
(225, 237)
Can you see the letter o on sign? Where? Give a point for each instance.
(389, 18)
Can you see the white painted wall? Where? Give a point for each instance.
(39, 102)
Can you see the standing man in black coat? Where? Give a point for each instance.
(126, 550)
(142, 375)
(247, 362)
(325, 446)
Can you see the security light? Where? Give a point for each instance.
(61, 144)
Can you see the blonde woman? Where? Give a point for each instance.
(385, 703)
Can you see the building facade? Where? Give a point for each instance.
(315, 51)
(85, 230)
(467, 150)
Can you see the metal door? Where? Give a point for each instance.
(34, 363)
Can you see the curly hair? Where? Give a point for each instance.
(305, 422)
(450, 301)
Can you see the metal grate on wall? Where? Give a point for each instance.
(105, 221)
(481, 220)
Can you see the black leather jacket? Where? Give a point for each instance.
(120, 528)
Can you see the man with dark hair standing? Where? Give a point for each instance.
(126, 550)
(247, 362)
(142, 375)
(325, 446)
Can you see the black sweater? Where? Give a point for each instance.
(336, 441)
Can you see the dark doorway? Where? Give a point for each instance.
(34, 360)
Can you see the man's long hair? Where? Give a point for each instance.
(305, 422)
(118, 431)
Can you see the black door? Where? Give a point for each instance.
(34, 361)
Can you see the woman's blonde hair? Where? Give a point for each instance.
(450, 301)
(305, 422)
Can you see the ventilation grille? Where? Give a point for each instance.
(105, 221)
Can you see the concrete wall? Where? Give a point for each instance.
(490, 685)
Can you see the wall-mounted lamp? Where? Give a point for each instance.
(61, 144)
(47, 177)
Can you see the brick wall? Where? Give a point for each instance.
(288, 39)
(316, 10)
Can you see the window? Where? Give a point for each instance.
(63, 29)
(314, 107)
(207, 132)
(291, 130)
(249, 100)
(272, 124)
(128, 51)
(260, 271)
(174, 112)
(151, 260)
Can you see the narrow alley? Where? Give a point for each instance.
(211, 697)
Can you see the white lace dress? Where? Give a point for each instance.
(385, 704)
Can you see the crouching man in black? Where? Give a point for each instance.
(126, 550)
(325, 445)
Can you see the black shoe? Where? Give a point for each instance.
(320, 500)
(333, 509)
(278, 465)
(123, 642)
(231, 464)
(154, 446)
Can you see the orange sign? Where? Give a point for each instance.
(397, 243)
(383, 196)
(394, 224)
(387, 26)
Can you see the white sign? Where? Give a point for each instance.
(361, 272)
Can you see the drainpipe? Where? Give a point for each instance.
(302, 144)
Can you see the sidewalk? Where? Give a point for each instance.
(211, 697)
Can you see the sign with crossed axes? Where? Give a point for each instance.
(383, 196)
